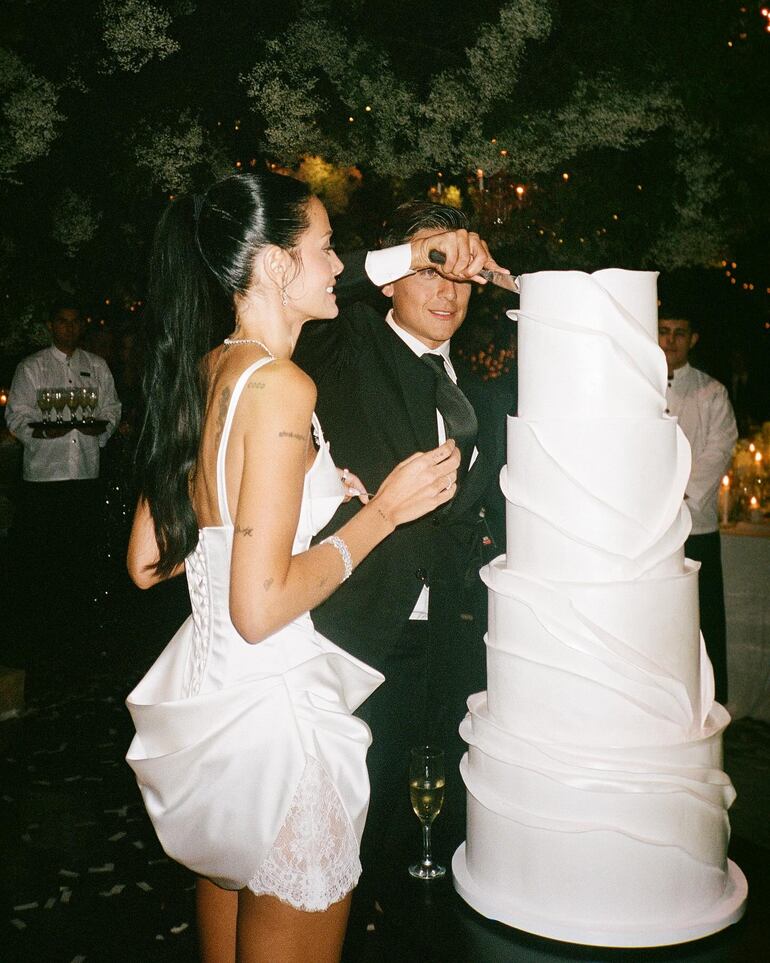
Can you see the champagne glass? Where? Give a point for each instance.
(426, 789)
(73, 402)
(59, 400)
(92, 397)
(45, 402)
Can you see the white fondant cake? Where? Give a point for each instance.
(597, 805)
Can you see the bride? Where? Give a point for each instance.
(249, 759)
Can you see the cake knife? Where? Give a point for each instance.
(506, 281)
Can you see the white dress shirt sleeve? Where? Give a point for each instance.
(712, 462)
(22, 404)
(389, 265)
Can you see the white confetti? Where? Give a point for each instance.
(78, 959)
(138, 843)
(50, 902)
(159, 936)
(123, 811)
(145, 887)
(116, 837)
(154, 862)
(179, 929)
(69, 873)
(107, 868)
(66, 894)
(116, 890)
(19, 924)
(25, 906)
(7, 798)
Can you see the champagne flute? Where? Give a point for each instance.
(45, 402)
(73, 402)
(59, 400)
(426, 789)
(92, 397)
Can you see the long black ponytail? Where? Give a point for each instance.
(203, 255)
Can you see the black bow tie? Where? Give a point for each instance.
(457, 412)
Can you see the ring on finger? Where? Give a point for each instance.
(449, 483)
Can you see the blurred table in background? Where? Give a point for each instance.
(746, 565)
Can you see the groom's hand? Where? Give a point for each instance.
(465, 253)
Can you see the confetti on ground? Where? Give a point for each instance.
(72, 778)
(26, 906)
(116, 890)
(69, 873)
(50, 902)
(78, 959)
(158, 936)
(123, 811)
(179, 929)
(19, 924)
(116, 837)
(106, 868)
(154, 862)
(7, 798)
(138, 843)
(66, 895)
(145, 887)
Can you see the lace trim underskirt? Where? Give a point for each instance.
(313, 862)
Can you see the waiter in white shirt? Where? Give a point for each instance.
(706, 417)
(60, 511)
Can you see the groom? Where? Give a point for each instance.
(401, 611)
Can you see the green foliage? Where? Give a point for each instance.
(30, 119)
(134, 32)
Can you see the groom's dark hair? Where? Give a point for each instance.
(414, 216)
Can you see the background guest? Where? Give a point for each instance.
(706, 417)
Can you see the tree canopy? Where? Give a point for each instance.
(580, 134)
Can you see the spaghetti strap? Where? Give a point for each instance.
(224, 511)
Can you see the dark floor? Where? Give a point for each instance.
(84, 879)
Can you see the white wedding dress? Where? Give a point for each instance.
(250, 762)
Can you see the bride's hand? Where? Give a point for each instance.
(354, 487)
(419, 484)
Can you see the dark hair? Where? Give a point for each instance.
(64, 302)
(202, 256)
(414, 216)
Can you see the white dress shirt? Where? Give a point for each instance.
(706, 417)
(74, 456)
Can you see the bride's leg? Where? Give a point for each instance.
(217, 913)
(270, 931)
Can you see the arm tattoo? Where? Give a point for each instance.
(256, 384)
(292, 434)
(243, 530)
(322, 582)
(267, 583)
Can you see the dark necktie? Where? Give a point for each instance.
(457, 412)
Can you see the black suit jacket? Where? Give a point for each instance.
(376, 403)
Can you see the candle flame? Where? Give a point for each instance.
(725, 481)
(754, 503)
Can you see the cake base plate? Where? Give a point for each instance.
(726, 911)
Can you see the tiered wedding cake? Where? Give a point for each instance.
(597, 805)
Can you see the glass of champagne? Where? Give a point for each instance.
(426, 789)
(73, 402)
(59, 400)
(45, 402)
(91, 399)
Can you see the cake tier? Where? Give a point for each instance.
(588, 346)
(613, 664)
(600, 500)
(597, 837)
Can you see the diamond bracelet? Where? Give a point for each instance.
(344, 551)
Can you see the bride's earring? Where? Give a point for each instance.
(284, 297)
